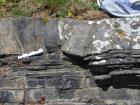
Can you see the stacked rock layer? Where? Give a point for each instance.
(81, 62)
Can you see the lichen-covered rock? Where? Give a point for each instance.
(93, 37)
(110, 47)
(83, 62)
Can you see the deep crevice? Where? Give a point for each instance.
(76, 60)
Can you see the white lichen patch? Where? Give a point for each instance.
(66, 37)
(98, 58)
(128, 37)
(128, 29)
(118, 47)
(90, 22)
(70, 33)
(99, 22)
(106, 35)
(65, 26)
(100, 44)
(108, 21)
(120, 59)
(127, 19)
(136, 19)
(110, 102)
(125, 26)
(67, 49)
(60, 27)
(93, 36)
(132, 19)
(100, 62)
(136, 46)
(136, 39)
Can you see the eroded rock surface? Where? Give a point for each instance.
(93, 37)
(83, 63)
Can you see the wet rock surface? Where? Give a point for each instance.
(83, 63)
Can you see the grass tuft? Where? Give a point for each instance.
(2, 2)
(54, 8)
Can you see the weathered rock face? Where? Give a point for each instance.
(83, 63)
(85, 38)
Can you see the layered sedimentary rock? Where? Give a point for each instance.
(83, 62)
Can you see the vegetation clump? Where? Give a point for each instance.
(47, 8)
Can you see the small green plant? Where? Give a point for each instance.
(41, 1)
(94, 5)
(20, 11)
(61, 13)
(54, 8)
(2, 2)
(59, 4)
(1, 14)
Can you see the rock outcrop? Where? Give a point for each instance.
(83, 63)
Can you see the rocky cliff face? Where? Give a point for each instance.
(83, 63)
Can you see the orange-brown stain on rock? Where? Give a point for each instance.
(42, 101)
(3, 71)
(120, 33)
(31, 102)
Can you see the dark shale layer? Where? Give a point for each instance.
(83, 63)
